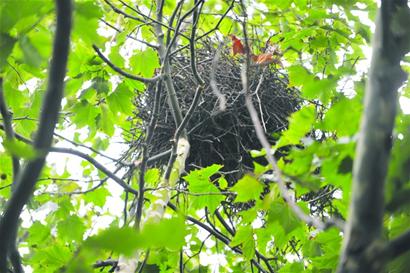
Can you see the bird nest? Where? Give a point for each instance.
(218, 137)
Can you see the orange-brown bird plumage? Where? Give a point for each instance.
(237, 46)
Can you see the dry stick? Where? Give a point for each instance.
(143, 165)
(90, 159)
(195, 19)
(265, 144)
(168, 49)
(221, 97)
(122, 72)
(209, 31)
(49, 116)
(126, 15)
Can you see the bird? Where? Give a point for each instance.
(237, 46)
(272, 53)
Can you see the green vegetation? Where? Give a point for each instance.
(307, 151)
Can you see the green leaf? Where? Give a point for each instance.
(247, 188)
(120, 240)
(330, 243)
(85, 28)
(97, 197)
(71, 228)
(121, 100)
(38, 233)
(106, 120)
(200, 183)
(101, 85)
(144, 62)
(169, 233)
(223, 183)
(281, 213)
(346, 112)
(152, 177)
(244, 238)
(51, 258)
(88, 9)
(319, 88)
(84, 114)
(298, 75)
(292, 267)
(19, 149)
(31, 55)
(300, 123)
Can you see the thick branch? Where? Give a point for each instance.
(42, 141)
(365, 223)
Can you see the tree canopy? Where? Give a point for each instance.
(204, 136)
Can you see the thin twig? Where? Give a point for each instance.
(195, 19)
(218, 236)
(122, 72)
(143, 165)
(216, 27)
(128, 35)
(213, 83)
(92, 149)
(90, 159)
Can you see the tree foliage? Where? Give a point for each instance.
(99, 203)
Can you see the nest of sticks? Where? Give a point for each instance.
(218, 137)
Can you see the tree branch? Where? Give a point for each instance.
(365, 223)
(143, 165)
(209, 31)
(49, 115)
(122, 72)
(8, 128)
(173, 101)
(180, 131)
(217, 235)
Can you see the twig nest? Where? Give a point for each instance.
(221, 137)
